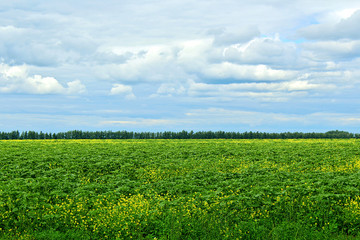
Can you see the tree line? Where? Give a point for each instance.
(78, 134)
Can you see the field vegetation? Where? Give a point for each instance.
(180, 189)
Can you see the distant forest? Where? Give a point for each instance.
(77, 134)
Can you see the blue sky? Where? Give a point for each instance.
(150, 65)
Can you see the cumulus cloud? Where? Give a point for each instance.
(152, 63)
(263, 91)
(332, 50)
(222, 37)
(170, 89)
(75, 87)
(15, 79)
(193, 55)
(228, 70)
(336, 80)
(18, 46)
(201, 58)
(123, 90)
(272, 92)
(346, 28)
(266, 50)
(243, 52)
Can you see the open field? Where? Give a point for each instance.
(179, 189)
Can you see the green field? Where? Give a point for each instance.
(180, 189)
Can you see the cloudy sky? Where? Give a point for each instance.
(151, 65)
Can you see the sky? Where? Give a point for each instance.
(151, 65)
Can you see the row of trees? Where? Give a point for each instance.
(76, 134)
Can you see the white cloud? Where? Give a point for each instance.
(270, 92)
(332, 50)
(223, 37)
(346, 13)
(42, 85)
(264, 50)
(283, 86)
(124, 90)
(170, 89)
(151, 63)
(345, 28)
(15, 79)
(304, 85)
(7, 71)
(75, 87)
(238, 53)
(194, 55)
(335, 80)
(200, 58)
(262, 72)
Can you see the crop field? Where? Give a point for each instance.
(180, 189)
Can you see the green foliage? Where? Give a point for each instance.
(180, 189)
